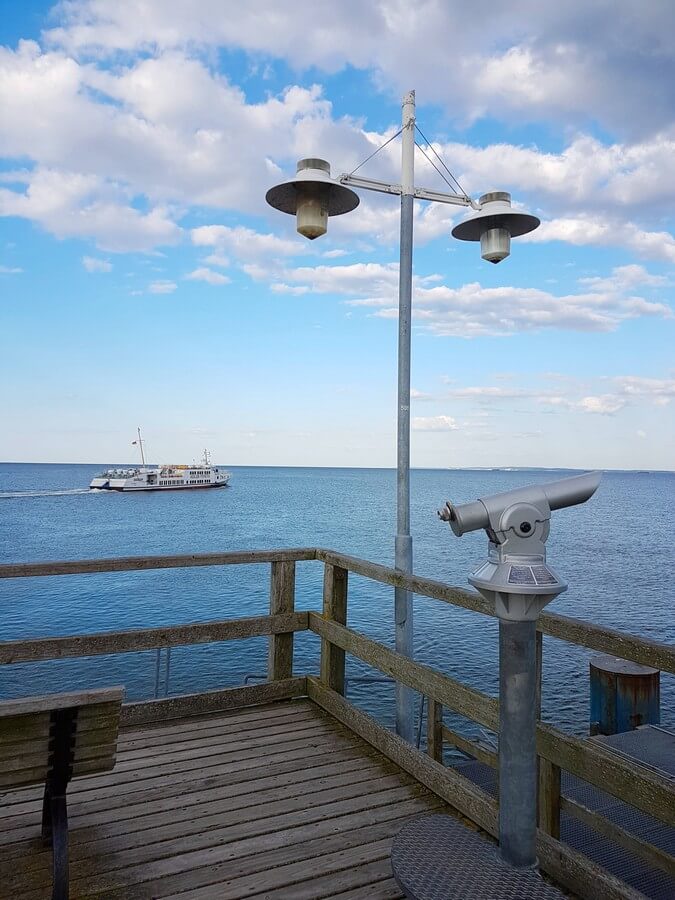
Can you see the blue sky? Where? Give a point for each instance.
(144, 281)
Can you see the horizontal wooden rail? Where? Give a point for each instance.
(625, 779)
(567, 866)
(620, 836)
(620, 776)
(140, 563)
(483, 754)
(444, 690)
(574, 631)
(108, 642)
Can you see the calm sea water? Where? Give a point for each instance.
(616, 552)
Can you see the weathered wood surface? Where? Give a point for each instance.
(549, 797)
(568, 867)
(445, 782)
(211, 701)
(472, 748)
(140, 639)
(445, 690)
(305, 824)
(46, 702)
(142, 563)
(335, 588)
(575, 631)
(282, 602)
(434, 730)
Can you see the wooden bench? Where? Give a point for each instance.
(51, 739)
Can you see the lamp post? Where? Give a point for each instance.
(313, 196)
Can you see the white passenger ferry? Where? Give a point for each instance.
(161, 478)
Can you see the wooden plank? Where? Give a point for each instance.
(178, 733)
(93, 811)
(435, 730)
(211, 701)
(158, 756)
(142, 563)
(456, 790)
(576, 631)
(386, 889)
(282, 602)
(236, 717)
(549, 797)
(293, 879)
(170, 831)
(445, 690)
(359, 878)
(105, 867)
(335, 587)
(141, 639)
(472, 748)
(654, 856)
(619, 776)
(45, 703)
(36, 726)
(301, 842)
(28, 760)
(568, 867)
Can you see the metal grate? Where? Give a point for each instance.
(438, 858)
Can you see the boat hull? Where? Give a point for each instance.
(157, 487)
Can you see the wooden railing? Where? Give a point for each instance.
(634, 784)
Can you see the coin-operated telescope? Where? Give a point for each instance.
(517, 579)
(515, 575)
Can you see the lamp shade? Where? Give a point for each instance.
(312, 174)
(495, 212)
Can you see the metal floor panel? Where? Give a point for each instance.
(438, 858)
(649, 745)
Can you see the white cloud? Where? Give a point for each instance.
(70, 204)
(433, 423)
(659, 390)
(208, 275)
(605, 405)
(91, 264)
(10, 270)
(245, 243)
(571, 63)
(162, 287)
(217, 259)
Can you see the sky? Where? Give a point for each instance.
(144, 280)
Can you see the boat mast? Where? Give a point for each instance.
(140, 444)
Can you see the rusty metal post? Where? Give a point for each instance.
(624, 695)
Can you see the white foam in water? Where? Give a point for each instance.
(18, 495)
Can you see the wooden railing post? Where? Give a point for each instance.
(335, 581)
(435, 730)
(549, 797)
(282, 600)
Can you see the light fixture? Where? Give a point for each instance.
(312, 196)
(494, 225)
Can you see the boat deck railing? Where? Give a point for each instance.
(646, 790)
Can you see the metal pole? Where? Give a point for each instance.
(403, 543)
(517, 743)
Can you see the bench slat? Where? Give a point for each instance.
(25, 728)
(48, 702)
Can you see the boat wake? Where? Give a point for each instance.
(25, 495)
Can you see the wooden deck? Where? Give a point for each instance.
(279, 801)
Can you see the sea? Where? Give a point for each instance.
(616, 552)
